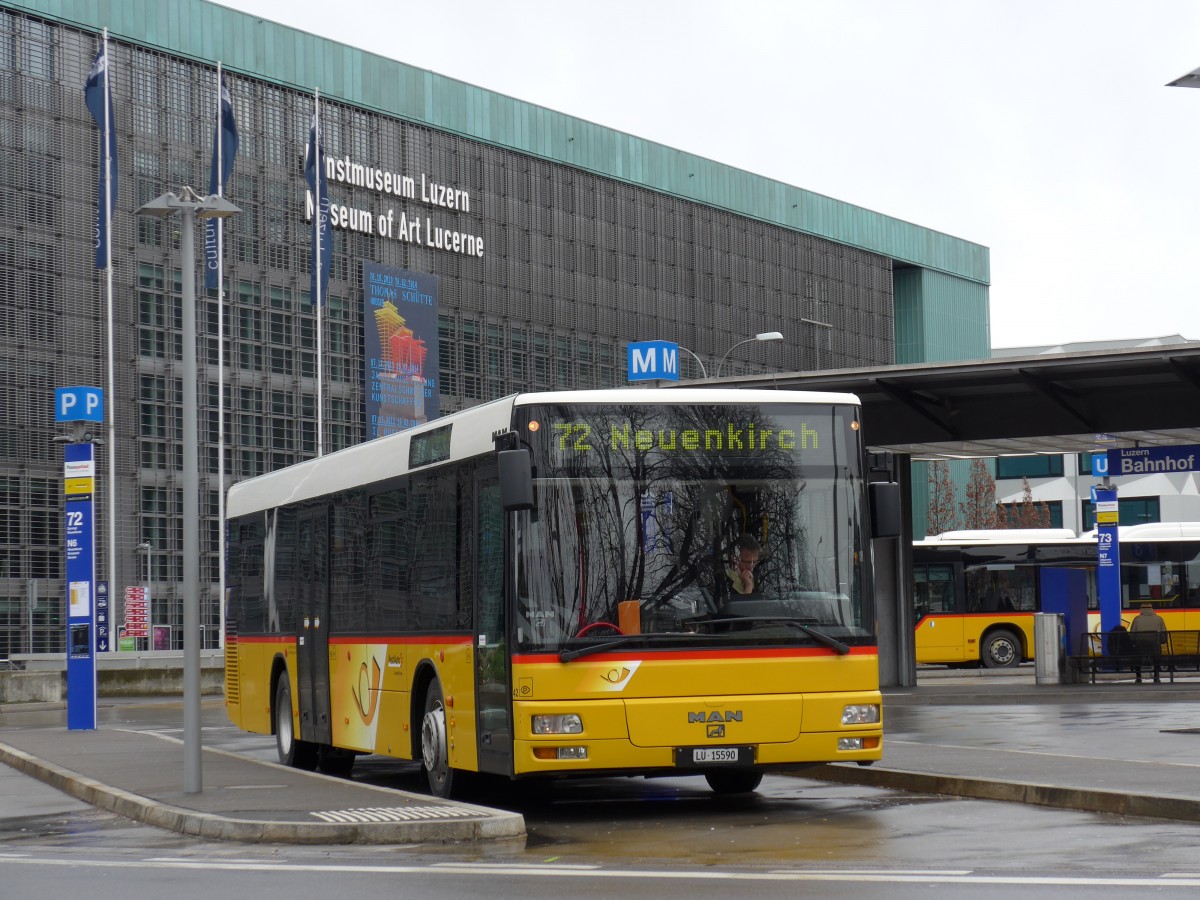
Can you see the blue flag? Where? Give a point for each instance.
(314, 174)
(225, 146)
(99, 103)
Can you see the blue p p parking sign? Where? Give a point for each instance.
(78, 404)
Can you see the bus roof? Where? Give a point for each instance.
(1151, 531)
(606, 396)
(1002, 535)
(471, 435)
(1154, 531)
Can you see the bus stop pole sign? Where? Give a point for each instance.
(1108, 569)
(79, 475)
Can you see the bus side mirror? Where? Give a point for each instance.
(516, 479)
(884, 498)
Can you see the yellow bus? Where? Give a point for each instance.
(975, 592)
(542, 586)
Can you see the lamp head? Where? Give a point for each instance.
(214, 206)
(1191, 79)
(162, 206)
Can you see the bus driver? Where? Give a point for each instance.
(746, 553)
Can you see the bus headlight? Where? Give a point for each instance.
(567, 723)
(560, 753)
(860, 714)
(850, 743)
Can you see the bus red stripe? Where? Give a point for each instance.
(362, 639)
(776, 653)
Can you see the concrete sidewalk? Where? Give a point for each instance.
(1112, 747)
(138, 774)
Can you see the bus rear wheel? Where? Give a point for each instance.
(741, 781)
(1001, 650)
(435, 756)
(292, 752)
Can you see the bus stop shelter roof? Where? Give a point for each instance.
(1045, 403)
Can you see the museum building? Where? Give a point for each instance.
(481, 245)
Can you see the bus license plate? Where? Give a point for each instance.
(714, 756)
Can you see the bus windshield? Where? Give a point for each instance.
(691, 526)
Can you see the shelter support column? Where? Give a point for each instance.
(893, 590)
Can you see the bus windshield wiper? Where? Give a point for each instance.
(839, 647)
(817, 635)
(625, 640)
(622, 641)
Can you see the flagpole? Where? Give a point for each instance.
(318, 161)
(112, 396)
(220, 373)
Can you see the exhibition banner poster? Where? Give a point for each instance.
(400, 324)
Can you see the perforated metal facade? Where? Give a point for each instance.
(576, 264)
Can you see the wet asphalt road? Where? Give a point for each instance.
(792, 825)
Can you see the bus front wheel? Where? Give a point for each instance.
(1001, 650)
(435, 758)
(292, 752)
(733, 781)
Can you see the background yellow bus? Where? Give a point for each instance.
(539, 587)
(975, 592)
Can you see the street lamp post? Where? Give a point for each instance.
(699, 362)
(190, 206)
(764, 336)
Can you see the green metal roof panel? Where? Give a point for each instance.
(286, 56)
(939, 317)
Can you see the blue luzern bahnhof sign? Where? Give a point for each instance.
(1152, 460)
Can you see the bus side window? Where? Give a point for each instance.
(933, 590)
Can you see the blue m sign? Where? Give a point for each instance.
(653, 361)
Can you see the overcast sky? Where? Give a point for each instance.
(1041, 129)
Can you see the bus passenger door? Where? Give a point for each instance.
(939, 623)
(312, 588)
(492, 681)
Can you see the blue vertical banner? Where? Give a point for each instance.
(98, 98)
(225, 148)
(318, 186)
(79, 477)
(400, 331)
(656, 522)
(1108, 570)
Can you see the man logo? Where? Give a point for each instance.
(716, 731)
(731, 715)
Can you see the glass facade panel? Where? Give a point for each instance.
(1029, 466)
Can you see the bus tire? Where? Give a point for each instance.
(332, 761)
(435, 758)
(292, 752)
(1001, 649)
(733, 781)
